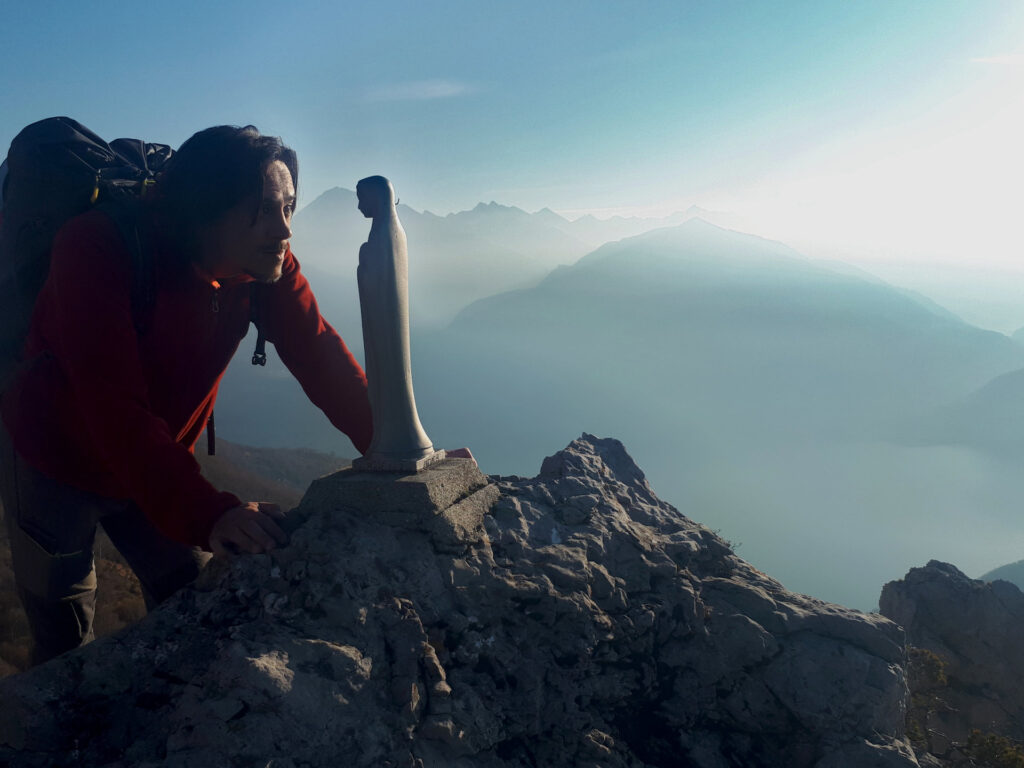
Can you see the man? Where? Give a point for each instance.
(103, 419)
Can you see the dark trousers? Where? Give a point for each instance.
(52, 528)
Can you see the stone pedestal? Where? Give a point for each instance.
(449, 499)
(376, 463)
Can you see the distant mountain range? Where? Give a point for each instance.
(768, 391)
(1012, 572)
(279, 475)
(454, 259)
(595, 232)
(990, 418)
(706, 331)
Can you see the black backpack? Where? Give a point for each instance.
(56, 169)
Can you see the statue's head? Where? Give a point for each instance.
(375, 195)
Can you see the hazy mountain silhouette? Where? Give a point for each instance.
(990, 418)
(280, 475)
(1011, 572)
(737, 331)
(539, 235)
(983, 294)
(600, 231)
(752, 382)
(455, 259)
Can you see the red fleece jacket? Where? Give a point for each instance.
(111, 411)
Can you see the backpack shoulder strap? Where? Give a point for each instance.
(259, 357)
(127, 215)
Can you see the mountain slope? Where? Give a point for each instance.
(738, 332)
(752, 383)
(454, 260)
(572, 618)
(1011, 572)
(990, 419)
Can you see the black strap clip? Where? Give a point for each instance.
(259, 357)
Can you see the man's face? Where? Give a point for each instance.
(239, 245)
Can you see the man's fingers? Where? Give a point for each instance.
(257, 539)
(218, 547)
(224, 547)
(272, 512)
(248, 528)
(265, 532)
(271, 509)
(274, 530)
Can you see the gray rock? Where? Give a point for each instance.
(459, 621)
(976, 629)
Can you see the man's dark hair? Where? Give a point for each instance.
(217, 169)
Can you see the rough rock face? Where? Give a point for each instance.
(976, 629)
(572, 619)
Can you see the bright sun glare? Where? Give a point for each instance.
(942, 187)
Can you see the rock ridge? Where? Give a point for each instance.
(971, 632)
(455, 619)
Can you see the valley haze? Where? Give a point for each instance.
(816, 415)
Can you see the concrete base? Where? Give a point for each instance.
(448, 499)
(381, 464)
(378, 493)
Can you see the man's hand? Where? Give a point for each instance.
(460, 453)
(249, 527)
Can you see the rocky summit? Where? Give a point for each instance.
(453, 619)
(970, 634)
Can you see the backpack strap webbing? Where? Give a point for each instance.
(259, 357)
(126, 214)
(211, 436)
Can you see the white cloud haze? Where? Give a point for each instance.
(419, 90)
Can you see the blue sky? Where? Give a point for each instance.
(791, 114)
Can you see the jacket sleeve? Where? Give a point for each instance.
(315, 354)
(96, 346)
